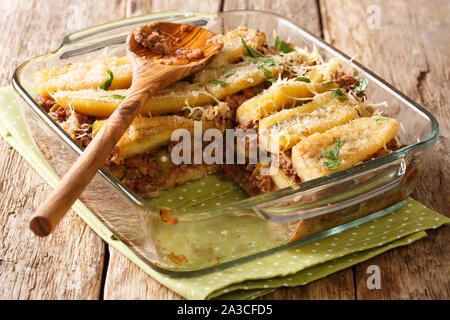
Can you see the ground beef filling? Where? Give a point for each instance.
(160, 43)
(77, 125)
(245, 175)
(155, 41)
(235, 100)
(45, 103)
(147, 173)
(287, 167)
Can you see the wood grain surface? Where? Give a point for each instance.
(409, 48)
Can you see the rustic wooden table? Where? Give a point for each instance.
(405, 42)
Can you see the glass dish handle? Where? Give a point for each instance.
(335, 195)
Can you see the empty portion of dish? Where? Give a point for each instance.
(309, 114)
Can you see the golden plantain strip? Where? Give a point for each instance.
(326, 71)
(289, 126)
(233, 50)
(145, 134)
(275, 98)
(102, 103)
(363, 137)
(98, 103)
(84, 75)
(233, 78)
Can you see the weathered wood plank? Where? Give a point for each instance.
(410, 50)
(338, 286)
(140, 7)
(68, 264)
(304, 13)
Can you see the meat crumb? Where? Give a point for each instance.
(153, 40)
(179, 260)
(166, 217)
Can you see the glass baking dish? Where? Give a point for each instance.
(217, 223)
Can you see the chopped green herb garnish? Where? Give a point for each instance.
(304, 79)
(252, 52)
(280, 127)
(262, 68)
(259, 91)
(327, 82)
(115, 96)
(9, 135)
(339, 142)
(333, 164)
(108, 81)
(226, 74)
(271, 80)
(379, 120)
(269, 62)
(219, 82)
(251, 59)
(355, 73)
(338, 93)
(333, 155)
(362, 85)
(90, 126)
(113, 237)
(299, 103)
(282, 46)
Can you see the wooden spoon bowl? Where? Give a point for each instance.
(152, 70)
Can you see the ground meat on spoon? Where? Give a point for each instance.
(164, 44)
(154, 41)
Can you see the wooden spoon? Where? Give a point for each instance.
(153, 68)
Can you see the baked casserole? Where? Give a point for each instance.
(313, 115)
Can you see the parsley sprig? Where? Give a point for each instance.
(252, 52)
(303, 79)
(338, 93)
(109, 79)
(265, 70)
(226, 74)
(219, 82)
(115, 96)
(362, 85)
(282, 46)
(333, 154)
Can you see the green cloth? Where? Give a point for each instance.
(291, 267)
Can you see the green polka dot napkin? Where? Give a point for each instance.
(288, 268)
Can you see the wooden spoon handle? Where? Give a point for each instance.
(55, 206)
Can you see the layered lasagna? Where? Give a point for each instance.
(311, 114)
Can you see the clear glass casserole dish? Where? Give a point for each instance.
(217, 224)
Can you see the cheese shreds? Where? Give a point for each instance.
(358, 140)
(290, 126)
(233, 50)
(275, 98)
(102, 103)
(243, 75)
